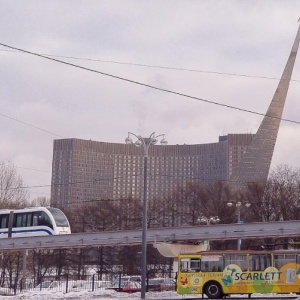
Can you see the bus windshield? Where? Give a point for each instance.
(59, 217)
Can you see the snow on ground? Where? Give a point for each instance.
(101, 294)
(110, 294)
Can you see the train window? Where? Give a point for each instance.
(35, 219)
(29, 220)
(19, 220)
(24, 220)
(4, 221)
(45, 220)
(59, 217)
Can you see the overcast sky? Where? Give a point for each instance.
(148, 42)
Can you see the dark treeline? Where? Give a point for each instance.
(277, 200)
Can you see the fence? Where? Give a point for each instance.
(69, 283)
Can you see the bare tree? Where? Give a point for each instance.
(218, 195)
(40, 201)
(260, 197)
(286, 186)
(276, 200)
(42, 261)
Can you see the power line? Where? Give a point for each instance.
(46, 194)
(33, 126)
(150, 86)
(67, 183)
(32, 169)
(24, 168)
(12, 165)
(156, 66)
(203, 180)
(97, 200)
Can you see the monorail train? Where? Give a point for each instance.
(33, 221)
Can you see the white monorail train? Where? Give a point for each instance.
(33, 221)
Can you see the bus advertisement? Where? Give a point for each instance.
(218, 274)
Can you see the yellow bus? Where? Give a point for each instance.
(221, 273)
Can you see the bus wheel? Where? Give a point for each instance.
(213, 290)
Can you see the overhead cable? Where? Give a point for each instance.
(151, 86)
(157, 66)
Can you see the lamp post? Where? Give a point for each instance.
(238, 206)
(209, 220)
(204, 220)
(145, 143)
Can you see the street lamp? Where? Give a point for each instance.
(202, 219)
(212, 220)
(145, 143)
(238, 208)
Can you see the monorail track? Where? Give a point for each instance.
(155, 235)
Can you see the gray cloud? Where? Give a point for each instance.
(243, 37)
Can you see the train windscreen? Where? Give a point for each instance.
(59, 217)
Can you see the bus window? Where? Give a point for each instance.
(236, 259)
(195, 264)
(212, 263)
(184, 264)
(282, 259)
(190, 265)
(259, 262)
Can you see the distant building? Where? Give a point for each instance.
(85, 170)
(88, 170)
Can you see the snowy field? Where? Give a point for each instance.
(109, 294)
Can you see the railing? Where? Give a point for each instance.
(70, 283)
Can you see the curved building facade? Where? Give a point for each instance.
(85, 170)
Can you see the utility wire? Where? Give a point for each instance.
(67, 183)
(157, 66)
(46, 194)
(33, 126)
(150, 86)
(203, 180)
(12, 165)
(33, 169)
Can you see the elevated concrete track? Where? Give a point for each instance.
(174, 234)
